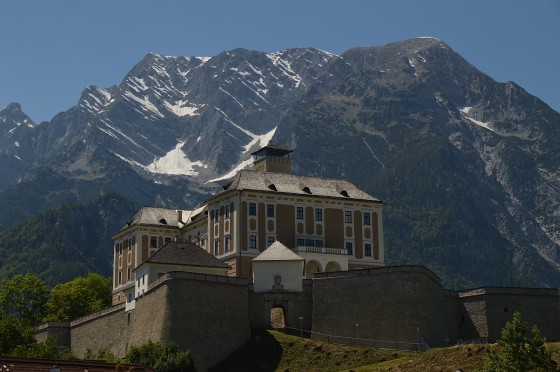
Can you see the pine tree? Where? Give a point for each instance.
(519, 353)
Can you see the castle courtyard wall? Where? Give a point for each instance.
(390, 304)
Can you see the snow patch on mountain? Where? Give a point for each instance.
(145, 103)
(244, 164)
(180, 108)
(464, 113)
(284, 66)
(175, 162)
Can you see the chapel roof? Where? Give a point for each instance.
(292, 184)
(184, 253)
(278, 252)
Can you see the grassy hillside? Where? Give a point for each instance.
(275, 351)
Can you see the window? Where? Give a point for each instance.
(226, 212)
(301, 242)
(253, 241)
(153, 242)
(130, 244)
(217, 214)
(299, 213)
(348, 216)
(252, 209)
(367, 250)
(349, 248)
(319, 243)
(129, 298)
(120, 277)
(270, 210)
(367, 218)
(128, 273)
(216, 247)
(270, 241)
(226, 244)
(143, 279)
(310, 243)
(318, 214)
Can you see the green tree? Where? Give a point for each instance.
(161, 357)
(14, 333)
(519, 353)
(78, 297)
(42, 350)
(23, 297)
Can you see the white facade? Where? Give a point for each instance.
(277, 275)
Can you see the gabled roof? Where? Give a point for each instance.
(278, 252)
(292, 184)
(183, 253)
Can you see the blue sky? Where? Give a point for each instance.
(51, 50)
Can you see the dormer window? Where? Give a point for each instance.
(306, 190)
(344, 193)
(163, 221)
(272, 187)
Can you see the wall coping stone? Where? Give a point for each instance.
(196, 276)
(553, 292)
(378, 271)
(98, 314)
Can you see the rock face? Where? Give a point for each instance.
(469, 167)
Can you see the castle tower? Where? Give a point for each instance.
(273, 159)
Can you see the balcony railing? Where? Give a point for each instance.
(320, 250)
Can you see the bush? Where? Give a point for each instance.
(161, 357)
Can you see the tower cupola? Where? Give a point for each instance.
(273, 159)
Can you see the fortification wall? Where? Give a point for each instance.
(60, 331)
(451, 316)
(208, 317)
(490, 308)
(295, 305)
(107, 330)
(205, 314)
(390, 303)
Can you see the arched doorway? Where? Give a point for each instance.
(278, 317)
(311, 268)
(332, 266)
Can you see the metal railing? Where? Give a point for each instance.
(321, 250)
(353, 341)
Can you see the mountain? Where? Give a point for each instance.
(469, 167)
(65, 242)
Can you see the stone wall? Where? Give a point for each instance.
(205, 314)
(490, 308)
(60, 331)
(391, 304)
(107, 330)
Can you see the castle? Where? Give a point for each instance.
(306, 251)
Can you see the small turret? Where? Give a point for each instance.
(273, 159)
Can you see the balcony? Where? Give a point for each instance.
(320, 250)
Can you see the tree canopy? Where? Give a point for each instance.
(24, 297)
(78, 297)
